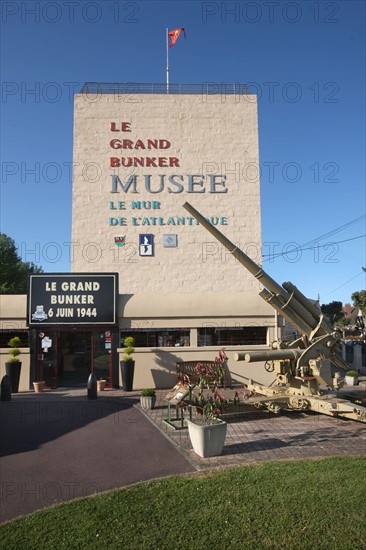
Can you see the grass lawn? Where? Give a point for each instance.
(315, 504)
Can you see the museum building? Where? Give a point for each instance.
(142, 266)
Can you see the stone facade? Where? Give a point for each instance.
(214, 140)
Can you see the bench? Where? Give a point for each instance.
(188, 376)
(186, 371)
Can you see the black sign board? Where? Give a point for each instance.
(72, 299)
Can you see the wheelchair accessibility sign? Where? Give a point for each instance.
(146, 245)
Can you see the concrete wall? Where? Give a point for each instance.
(13, 317)
(210, 136)
(24, 373)
(355, 354)
(155, 368)
(13, 309)
(194, 310)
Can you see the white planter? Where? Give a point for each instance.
(351, 380)
(147, 402)
(207, 439)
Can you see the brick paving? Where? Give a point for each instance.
(258, 435)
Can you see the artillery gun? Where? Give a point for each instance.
(302, 366)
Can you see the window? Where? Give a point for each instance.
(152, 338)
(232, 336)
(6, 335)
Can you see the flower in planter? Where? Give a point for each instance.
(210, 377)
(220, 362)
(210, 406)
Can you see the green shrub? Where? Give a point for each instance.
(128, 343)
(14, 343)
(351, 373)
(147, 392)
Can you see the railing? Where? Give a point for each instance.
(206, 88)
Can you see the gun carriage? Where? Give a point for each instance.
(308, 369)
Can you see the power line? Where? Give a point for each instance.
(334, 231)
(343, 284)
(311, 247)
(320, 238)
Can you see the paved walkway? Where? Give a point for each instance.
(258, 435)
(58, 445)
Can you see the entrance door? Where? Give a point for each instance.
(72, 356)
(102, 355)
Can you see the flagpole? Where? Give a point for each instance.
(167, 63)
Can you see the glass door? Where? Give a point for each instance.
(74, 358)
(67, 357)
(102, 355)
(46, 366)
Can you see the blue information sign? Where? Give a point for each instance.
(146, 245)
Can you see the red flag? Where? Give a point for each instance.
(174, 35)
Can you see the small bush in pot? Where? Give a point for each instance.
(15, 344)
(128, 343)
(128, 363)
(147, 392)
(13, 366)
(351, 378)
(147, 398)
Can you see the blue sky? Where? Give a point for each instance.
(306, 62)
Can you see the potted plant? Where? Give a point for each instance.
(351, 378)
(128, 364)
(13, 366)
(101, 384)
(207, 431)
(147, 398)
(39, 386)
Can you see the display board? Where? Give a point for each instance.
(72, 299)
(178, 393)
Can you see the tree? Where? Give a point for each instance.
(359, 300)
(344, 323)
(14, 272)
(334, 311)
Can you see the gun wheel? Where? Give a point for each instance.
(298, 403)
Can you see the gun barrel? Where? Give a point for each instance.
(285, 311)
(278, 354)
(286, 299)
(303, 300)
(247, 262)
